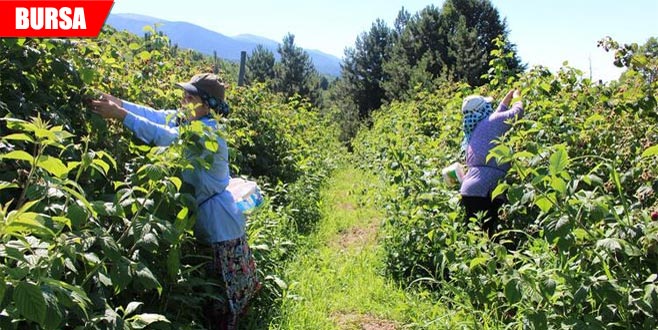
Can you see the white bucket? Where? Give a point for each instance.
(453, 174)
(246, 194)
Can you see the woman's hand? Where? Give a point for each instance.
(112, 98)
(108, 109)
(508, 98)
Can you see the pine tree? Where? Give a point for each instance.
(260, 65)
(296, 74)
(416, 57)
(363, 70)
(451, 43)
(469, 28)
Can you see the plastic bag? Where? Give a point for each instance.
(246, 194)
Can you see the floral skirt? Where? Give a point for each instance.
(234, 265)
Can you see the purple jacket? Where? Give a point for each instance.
(482, 177)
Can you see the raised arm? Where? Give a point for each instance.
(150, 114)
(146, 130)
(149, 131)
(507, 99)
(503, 109)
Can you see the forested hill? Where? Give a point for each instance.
(189, 35)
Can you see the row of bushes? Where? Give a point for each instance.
(96, 229)
(578, 245)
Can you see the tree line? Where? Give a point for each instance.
(450, 43)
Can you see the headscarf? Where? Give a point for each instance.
(474, 109)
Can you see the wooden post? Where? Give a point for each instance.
(215, 68)
(243, 59)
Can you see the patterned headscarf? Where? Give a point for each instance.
(223, 108)
(475, 108)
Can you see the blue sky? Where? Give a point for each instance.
(545, 32)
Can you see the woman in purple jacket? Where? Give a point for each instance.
(482, 125)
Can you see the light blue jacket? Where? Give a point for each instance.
(218, 218)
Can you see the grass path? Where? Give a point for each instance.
(337, 280)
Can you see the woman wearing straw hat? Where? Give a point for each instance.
(219, 222)
(482, 125)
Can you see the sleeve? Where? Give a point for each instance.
(150, 114)
(149, 131)
(503, 112)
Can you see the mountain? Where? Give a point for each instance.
(192, 36)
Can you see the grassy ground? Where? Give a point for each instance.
(338, 281)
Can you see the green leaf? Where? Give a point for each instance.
(132, 307)
(544, 204)
(15, 254)
(121, 274)
(279, 282)
(144, 55)
(561, 223)
(477, 262)
(548, 287)
(152, 171)
(54, 313)
(651, 151)
(102, 164)
(146, 278)
(523, 154)
(559, 161)
(580, 233)
(176, 181)
(513, 291)
(500, 189)
(20, 125)
(546, 87)
(173, 261)
(45, 135)
(77, 215)
(611, 244)
(18, 137)
(63, 220)
(3, 289)
(183, 222)
(104, 279)
(81, 199)
(18, 155)
(103, 154)
(77, 294)
(632, 250)
(593, 119)
(29, 222)
(53, 165)
(211, 145)
(27, 206)
(501, 153)
(559, 185)
(30, 302)
(141, 321)
(87, 75)
(134, 46)
(7, 185)
(91, 258)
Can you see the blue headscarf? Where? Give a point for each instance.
(473, 115)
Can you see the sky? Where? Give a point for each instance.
(546, 32)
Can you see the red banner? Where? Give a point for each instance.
(44, 18)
